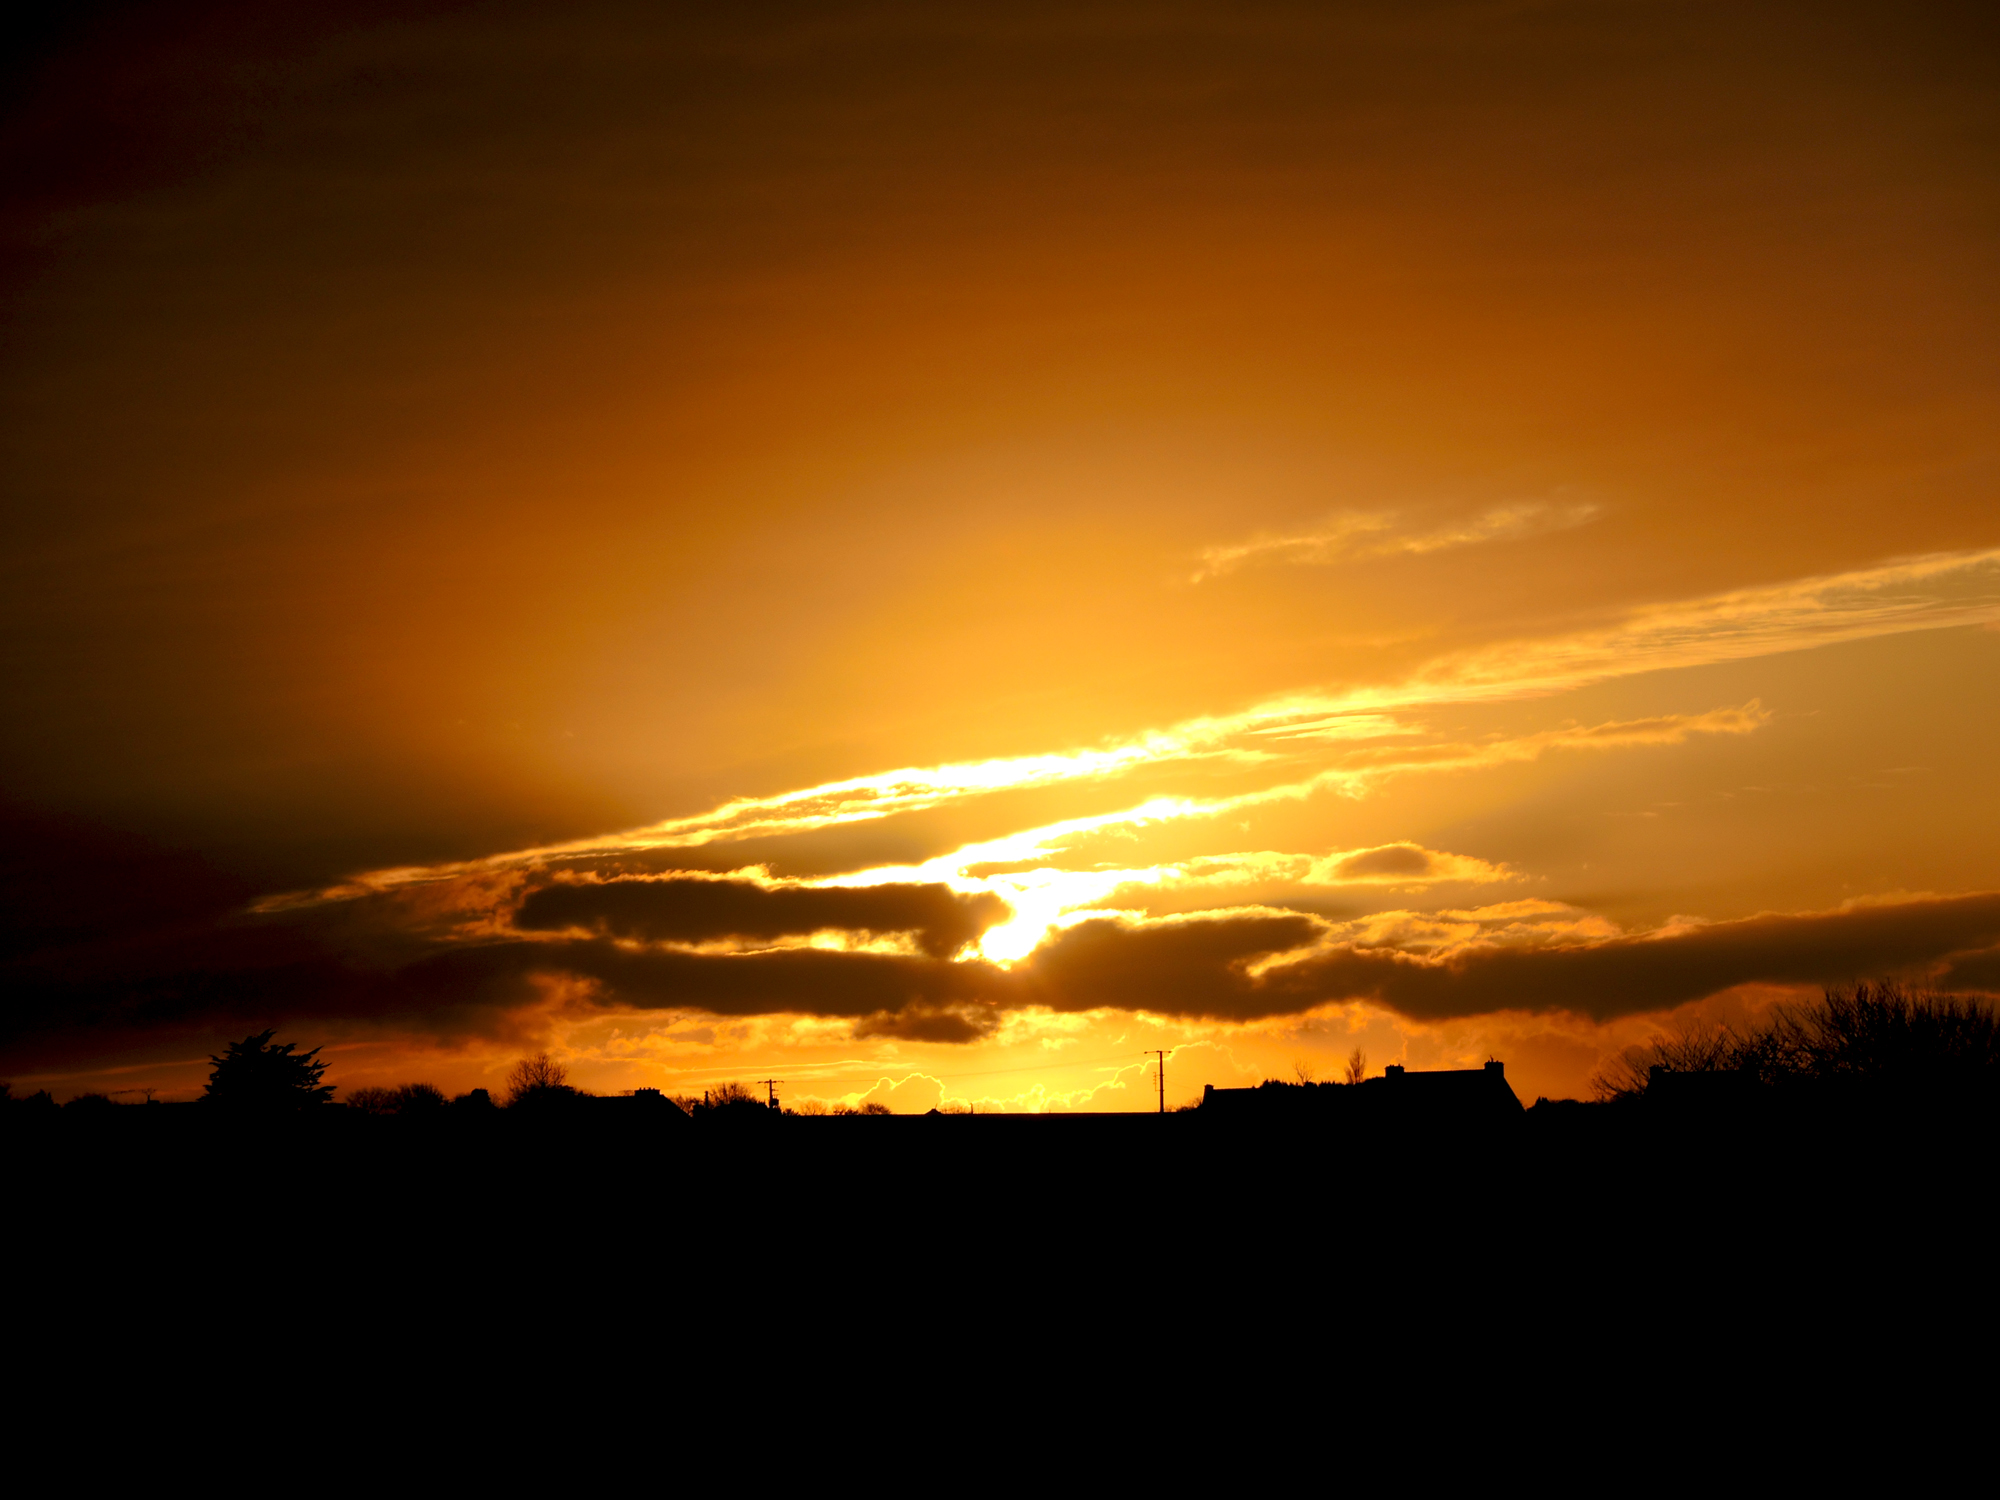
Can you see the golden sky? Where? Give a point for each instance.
(923, 551)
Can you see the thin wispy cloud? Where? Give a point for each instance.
(1355, 734)
(1354, 535)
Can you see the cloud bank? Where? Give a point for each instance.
(626, 946)
(1048, 918)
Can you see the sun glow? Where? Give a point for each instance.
(1356, 735)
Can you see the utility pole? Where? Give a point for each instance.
(771, 1090)
(1161, 1054)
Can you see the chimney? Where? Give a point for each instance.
(1394, 1070)
(1494, 1065)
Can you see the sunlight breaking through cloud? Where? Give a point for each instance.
(1361, 736)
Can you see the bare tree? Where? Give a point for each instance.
(1882, 1031)
(1303, 1069)
(1357, 1066)
(1689, 1048)
(536, 1076)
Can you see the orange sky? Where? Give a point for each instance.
(913, 550)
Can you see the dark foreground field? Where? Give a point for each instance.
(1601, 1265)
(1598, 1188)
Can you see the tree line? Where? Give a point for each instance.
(1870, 1037)
(262, 1075)
(1877, 1037)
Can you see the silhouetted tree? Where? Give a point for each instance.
(1357, 1066)
(408, 1098)
(91, 1101)
(1881, 1035)
(729, 1101)
(1303, 1070)
(1884, 1033)
(1689, 1048)
(254, 1074)
(538, 1079)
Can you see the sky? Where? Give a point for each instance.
(924, 552)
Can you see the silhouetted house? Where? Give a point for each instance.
(1467, 1094)
(1448, 1098)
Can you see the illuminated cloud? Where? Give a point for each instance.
(1402, 864)
(1353, 536)
(912, 1095)
(1354, 733)
(1933, 592)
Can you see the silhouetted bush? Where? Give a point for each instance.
(91, 1101)
(405, 1099)
(1885, 1034)
(255, 1075)
(1873, 1036)
(475, 1099)
(1690, 1049)
(732, 1101)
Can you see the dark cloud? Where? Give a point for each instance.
(1392, 859)
(1203, 967)
(110, 946)
(687, 911)
(808, 981)
(1191, 967)
(1644, 974)
(924, 1023)
(1973, 971)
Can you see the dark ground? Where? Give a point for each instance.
(972, 1284)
